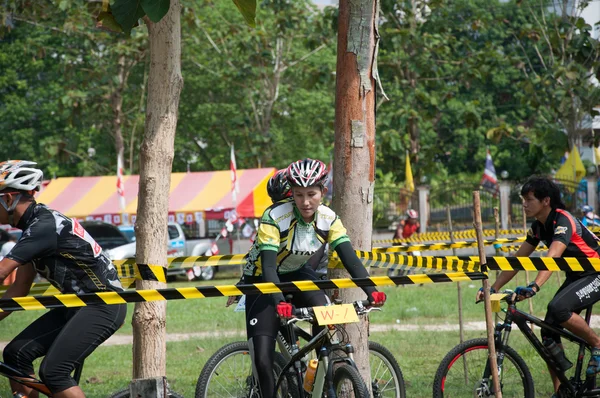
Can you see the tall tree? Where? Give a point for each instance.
(354, 162)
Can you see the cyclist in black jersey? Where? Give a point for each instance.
(290, 233)
(59, 249)
(565, 236)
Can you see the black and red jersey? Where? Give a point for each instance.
(63, 252)
(561, 226)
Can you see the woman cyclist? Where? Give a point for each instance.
(60, 250)
(290, 233)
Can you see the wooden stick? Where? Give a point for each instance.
(461, 332)
(489, 322)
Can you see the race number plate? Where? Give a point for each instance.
(335, 314)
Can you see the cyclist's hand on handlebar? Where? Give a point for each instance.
(285, 310)
(525, 291)
(377, 299)
(231, 300)
(479, 295)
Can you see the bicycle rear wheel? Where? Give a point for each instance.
(228, 373)
(386, 377)
(348, 383)
(461, 373)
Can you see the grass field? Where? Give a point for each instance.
(108, 369)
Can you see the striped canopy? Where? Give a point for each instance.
(207, 192)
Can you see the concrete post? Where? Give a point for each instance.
(592, 193)
(423, 207)
(504, 204)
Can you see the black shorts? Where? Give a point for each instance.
(261, 314)
(64, 337)
(575, 294)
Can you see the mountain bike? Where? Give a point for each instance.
(38, 385)
(231, 365)
(465, 371)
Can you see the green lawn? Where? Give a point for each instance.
(418, 353)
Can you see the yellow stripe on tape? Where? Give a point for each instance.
(190, 292)
(229, 290)
(111, 297)
(29, 302)
(458, 276)
(151, 295)
(576, 266)
(381, 280)
(503, 264)
(267, 288)
(551, 264)
(344, 283)
(527, 264)
(71, 300)
(159, 272)
(306, 286)
(420, 278)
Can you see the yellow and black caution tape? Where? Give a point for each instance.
(445, 245)
(186, 293)
(445, 236)
(576, 264)
(508, 249)
(465, 234)
(393, 260)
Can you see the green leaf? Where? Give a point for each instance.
(248, 10)
(127, 13)
(106, 21)
(156, 9)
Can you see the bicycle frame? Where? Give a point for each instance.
(328, 341)
(31, 382)
(521, 319)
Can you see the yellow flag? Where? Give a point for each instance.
(597, 155)
(409, 184)
(572, 169)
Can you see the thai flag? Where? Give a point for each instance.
(489, 180)
(234, 182)
(120, 183)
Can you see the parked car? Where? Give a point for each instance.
(180, 244)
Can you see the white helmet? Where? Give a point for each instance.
(18, 175)
(412, 213)
(307, 173)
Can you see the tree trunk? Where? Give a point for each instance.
(156, 157)
(117, 106)
(354, 168)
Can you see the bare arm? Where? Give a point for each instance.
(21, 286)
(556, 250)
(505, 276)
(6, 267)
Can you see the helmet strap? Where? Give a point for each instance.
(11, 209)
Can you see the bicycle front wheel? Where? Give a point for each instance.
(461, 373)
(348, 383)
(228, 373)
(386, 377)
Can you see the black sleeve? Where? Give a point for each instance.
(353, 264)
(39, 240)
(268, 259)
(531, 239)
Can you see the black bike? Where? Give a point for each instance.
(465, 371)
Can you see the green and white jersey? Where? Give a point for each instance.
(283, 230)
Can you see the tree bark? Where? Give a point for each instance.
(156, 157)
(354, 167)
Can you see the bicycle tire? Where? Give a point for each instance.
(239, 381)
(521, 385)
(380, 378)
(125, 394)
(346, 376)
